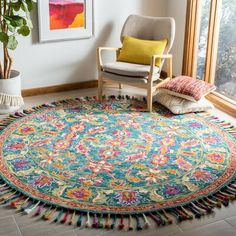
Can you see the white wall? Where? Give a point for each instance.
(177, 10)
(46, 64)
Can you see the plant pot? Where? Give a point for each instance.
(10, 93)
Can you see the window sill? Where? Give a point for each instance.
(222, 103)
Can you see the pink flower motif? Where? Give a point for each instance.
(152, 175)
(100, 166)
(147, 137)
(59, 125)
(183, 164)
(77, 127)
(136, 157)
(48, 117)
(203, 176)
(160, 160)
(26, 129)
(108, 153)
(128, 198)
(216, 157)
(61, 144)
(168, 141)
(15, 146)
(42, 181)
(172, 190)
(97, 130)
(190, 143)
(81, 194)
(82, 149)
(128, 123)
(40, 143)
(212, 140)
(106, 106)
(116, 142)
(121, 133)
(21, 164)
(195, 125)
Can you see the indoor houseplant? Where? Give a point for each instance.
(14, 21)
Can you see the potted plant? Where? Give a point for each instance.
(14, 21)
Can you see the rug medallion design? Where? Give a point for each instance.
(112, 159)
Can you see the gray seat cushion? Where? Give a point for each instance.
(129, 69)
(126, 79)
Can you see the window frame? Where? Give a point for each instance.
(192, 30)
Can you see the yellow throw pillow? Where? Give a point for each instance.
(141, 51)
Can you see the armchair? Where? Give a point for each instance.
(139, 75)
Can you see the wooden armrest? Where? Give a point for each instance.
(99, 54)
(99, 49)
(169, 63)
(163, 56)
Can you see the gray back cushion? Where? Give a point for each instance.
(150, 28)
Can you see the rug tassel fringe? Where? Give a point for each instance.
(131, 224)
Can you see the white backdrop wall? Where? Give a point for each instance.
(177, 10)
(46, 64)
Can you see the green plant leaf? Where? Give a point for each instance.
(15, 21)
(16, 6)
(24, 22)
(24, 30)
(24, 6)
(12, 42)
(11, 28)
(4, 37)
(29, 5)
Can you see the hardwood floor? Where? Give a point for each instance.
(222, 222)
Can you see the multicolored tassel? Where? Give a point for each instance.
(100, 224)
(146, 222)
(170, 221)
(114, 217)
(121, 224)
(59, 215)
(7, 195)
(72, 219)
(80, 219)
(39, 210)
(64, 219)
(88, 222)
(156, 219)
(29, 210)
(95, 221)
(138, 223)
(108, 222)
(130, 225)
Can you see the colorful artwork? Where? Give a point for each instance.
(66, 14)
(65, 19)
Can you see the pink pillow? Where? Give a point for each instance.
(187, 87)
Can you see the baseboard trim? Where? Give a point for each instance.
(59, 88)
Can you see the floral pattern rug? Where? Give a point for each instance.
(111, 157)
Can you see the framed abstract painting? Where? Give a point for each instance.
(65, 19)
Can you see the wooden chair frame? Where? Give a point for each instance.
(151, 86)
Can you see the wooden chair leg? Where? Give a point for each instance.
(100, 89)
(149, 99)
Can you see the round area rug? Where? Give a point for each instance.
(112, 158)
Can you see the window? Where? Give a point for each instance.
(225, 73)
(214, 53)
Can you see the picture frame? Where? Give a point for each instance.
(53, 26)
